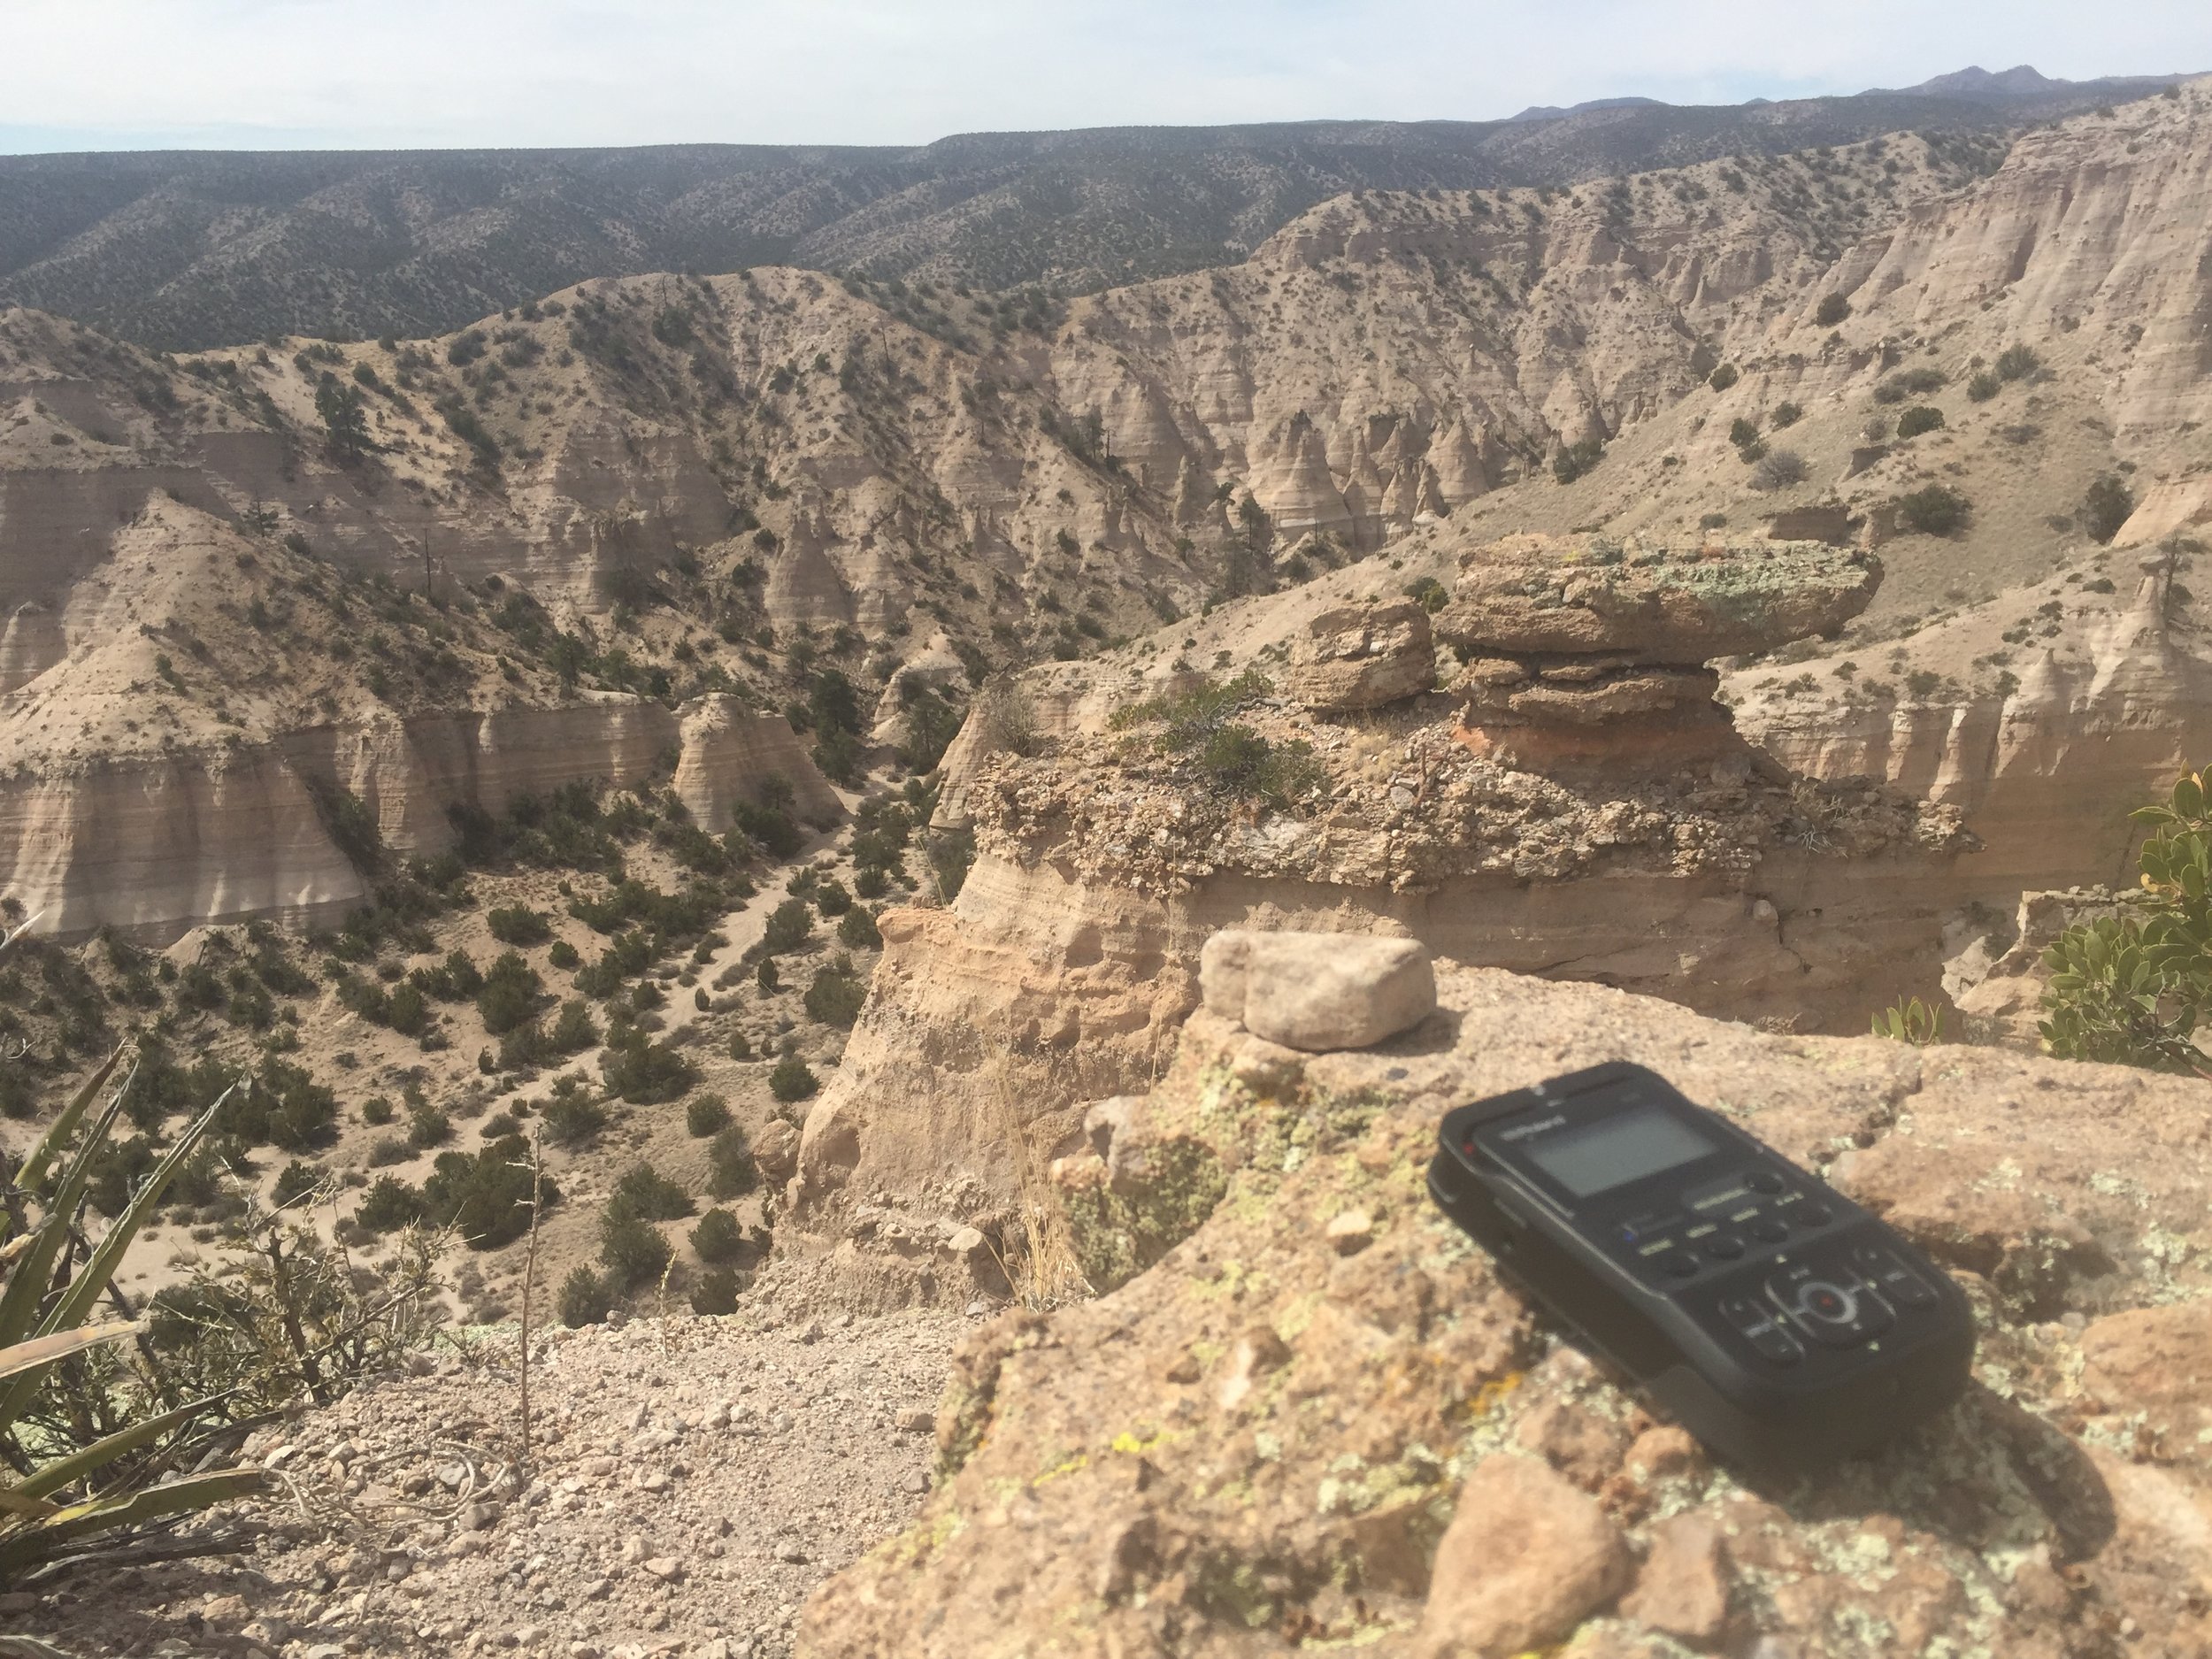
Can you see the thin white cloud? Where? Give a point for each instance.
(304, 73)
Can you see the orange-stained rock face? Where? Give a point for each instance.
(1274, 1431)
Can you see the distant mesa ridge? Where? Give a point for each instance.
(188, 250)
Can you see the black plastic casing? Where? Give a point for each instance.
(1699, 1278)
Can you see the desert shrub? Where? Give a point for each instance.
(388, 1205)
(1199, 728)
(2132, 989)
(642, 1071)
(644, 1191)
(703, 1114)
(1934, 510)
(1575, 459)
(718, 1238)
(836, 994)
(791, 1081)
(571, 1116)
(766, 977)
(484, 1198)
(741, 1046)
(768, 823)
(1724, 377)
(857, 930)
(509, 993)
(1779, 469)
(715, 1293)
(731, 1172)
(1919, 419)
(2105, 508)
(563, 955)
(574, 1029)
(1742, 432)
(831, 898)
(1909, 383)
(789, 925)
(518, 925)
(426, 1126)
(2016, 362)
(585, 1298)
(1983, 386)
(632, 1248)
(293, 1182)
(1785, 414)
(376, 1110)
(1833, 308)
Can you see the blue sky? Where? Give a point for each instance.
(89, 75)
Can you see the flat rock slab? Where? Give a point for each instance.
(1662, 602)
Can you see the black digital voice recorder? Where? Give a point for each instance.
(1773, 1318)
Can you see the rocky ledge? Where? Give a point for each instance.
(1311, 1415)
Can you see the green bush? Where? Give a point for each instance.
(585, 1298)
(703, 1114)
(1935, 510)
(718, 1238)
(571, 1116)
(741, 1046)
(2105, 508)
(1919, 419)
(376, 1110)
(836, 995)
(563, 955)
(387, 1150)
(643, 1191)
(1833, 308)
(428, 1126)
(1983, 386)
(294, 1182)
(857, 930)
(632, 1248)
(518, 925)
(2132, 989)
(731, 1171)
(641, 1072)
(2016, 362)
(791, 1081)
(831, 898)
(715, 1293)
(1910, 383)
(1786, 414)
(1575, 459)
(788, 926)
(1721, 378)
(510, 993)
(1742, 432)
(485, 1198)
(388, 1205)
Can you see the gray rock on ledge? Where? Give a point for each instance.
(1317, 992)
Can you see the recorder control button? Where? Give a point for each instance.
(1769, 1231)
(1767, 1338)
(1723, 1247)
(1892, 1277)
(1764, 1181)
(1679, 1264)
(1835, 1316)
(1810, 1215)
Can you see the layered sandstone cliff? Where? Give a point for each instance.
(1108, 850)
(211, 695)
(1319, 1417)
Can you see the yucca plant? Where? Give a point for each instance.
(55, 1278)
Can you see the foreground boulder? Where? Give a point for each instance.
(1311, 1414)
(1316, 991)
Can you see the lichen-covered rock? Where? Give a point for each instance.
(1260, 1442)
(1362, 656)
(1662, 602)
